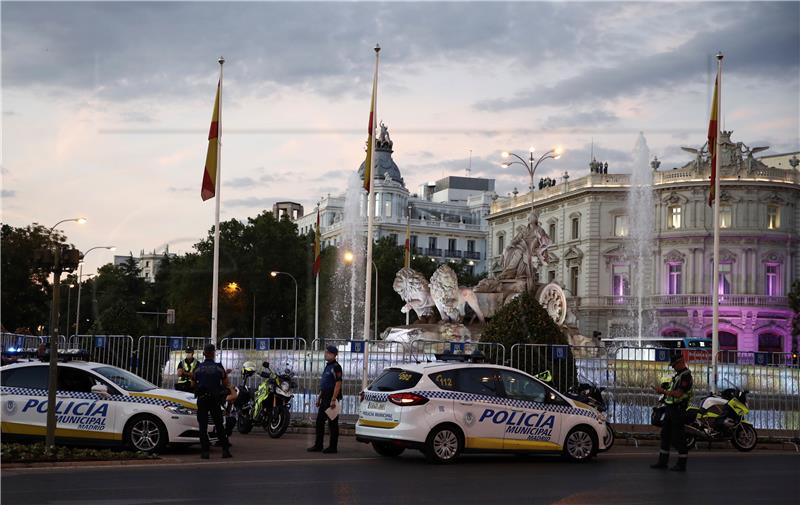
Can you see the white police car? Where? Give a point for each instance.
(96, 403)
(446, 408)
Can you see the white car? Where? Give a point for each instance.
(446, 408)
(96, 403)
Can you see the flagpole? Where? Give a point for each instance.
(715, 282)
(316, 280)
(218, 195)
(408, 253)
(370, 218)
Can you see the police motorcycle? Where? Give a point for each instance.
(588, 392)
(720, 417)
(269, 405)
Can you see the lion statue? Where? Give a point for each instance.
(413, 288)
(451, 299)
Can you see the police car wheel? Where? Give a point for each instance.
(580, 444)
(387, 449)
(444, 444)
(145, 434)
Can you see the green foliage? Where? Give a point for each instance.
(524, 321)
(118, 319)
(25, 287)
(33, 453)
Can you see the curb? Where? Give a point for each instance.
(90, 462)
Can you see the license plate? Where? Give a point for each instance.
(376, 405)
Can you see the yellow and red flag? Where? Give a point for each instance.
(407, 256)
(713, 132)
(317, 256)
(371, 134)
(209, 188)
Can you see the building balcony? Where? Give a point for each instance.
(433, 252)
(472, 255)
(452, 253)
(681, 301)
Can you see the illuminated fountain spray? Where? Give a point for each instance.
(642, 222)
(348, 280)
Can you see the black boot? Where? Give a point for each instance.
(226, 452)
(663, 457)
(680, 466)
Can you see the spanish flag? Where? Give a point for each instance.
(317, 257)
(407, 255)
(210, 173)
(371, 134)
(713, 132)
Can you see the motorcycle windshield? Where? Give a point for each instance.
(738, 407)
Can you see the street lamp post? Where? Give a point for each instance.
(529, 164)
(50, 438)
(80, 275)
(275, 274)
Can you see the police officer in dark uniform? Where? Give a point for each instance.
(186, 368)
(211, 386)
(676, 400)
(330, 391)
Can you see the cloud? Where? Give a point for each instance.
(581, 119)
(764, 43)
(8, 193)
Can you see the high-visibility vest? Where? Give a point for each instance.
(188, 368)
(687, 395)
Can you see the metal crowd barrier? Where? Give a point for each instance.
(116, 350)
(20, 341)
(157, 357)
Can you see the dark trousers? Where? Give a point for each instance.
(333, 424)
(208, 405)
(673, 432)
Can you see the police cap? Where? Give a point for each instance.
(332, 349)
(189, 349)
(676, 357)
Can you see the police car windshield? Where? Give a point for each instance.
(125, 379)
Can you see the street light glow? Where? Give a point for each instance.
(532, 149)
(558, 151)
(348, 256)
(82, 220)
(505, 165)
(273, 274)
(505, 154)
(232, 287)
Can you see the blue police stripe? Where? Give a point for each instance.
(91, 396)
(495, 400)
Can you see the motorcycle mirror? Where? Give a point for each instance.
(265, 364)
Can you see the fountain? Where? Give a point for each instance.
(641, 224)
(348, 280)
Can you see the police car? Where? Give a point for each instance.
(96, 403)
(447, 408)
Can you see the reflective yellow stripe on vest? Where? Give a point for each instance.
(189, 369)
(687, 395)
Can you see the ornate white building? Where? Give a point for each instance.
(587, 219)
(447, 217)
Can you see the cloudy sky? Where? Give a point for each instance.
(106, 106)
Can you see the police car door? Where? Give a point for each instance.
(477, 407)
(82, 413)
(24, 394)
(534, 424)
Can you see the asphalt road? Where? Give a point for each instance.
(281, 472)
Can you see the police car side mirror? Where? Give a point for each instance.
(100, 389)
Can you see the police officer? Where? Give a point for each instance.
(676, 400)
(330, 391)
(186, 368)
(211, 387)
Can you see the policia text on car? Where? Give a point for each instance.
(676, 400)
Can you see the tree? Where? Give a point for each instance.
(25, 289)
(794, 304)
(524, 321)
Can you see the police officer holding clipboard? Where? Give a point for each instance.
(330, 394)
(211, 387)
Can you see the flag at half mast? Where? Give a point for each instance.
(713, 135)
(317, 256)
(371, 134)
(210, 172)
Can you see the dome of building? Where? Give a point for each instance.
(384, 164)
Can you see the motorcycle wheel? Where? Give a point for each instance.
(744, 437)
(244, 424)
(279, 422)
(691, 442)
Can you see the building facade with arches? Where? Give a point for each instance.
(587, 218)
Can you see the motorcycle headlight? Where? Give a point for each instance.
(178, 409)
(285, 386)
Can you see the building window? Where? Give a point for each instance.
(431, 242)
(621, 226)
(470, 245)
(674, 273)
(451, 244)
(552, 232)
(387, 205)
(393, 238)
(773, 287)
(674, 217)
(413, 242)
(770, 342)
(725, 216)
(725, 279)
(378, 200)
(501, 239)
(573, 281)
(551, 276)
(576, 228)
(620, 283)
(773, 217)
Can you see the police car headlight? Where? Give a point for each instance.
(184, 411)
(285, 386)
